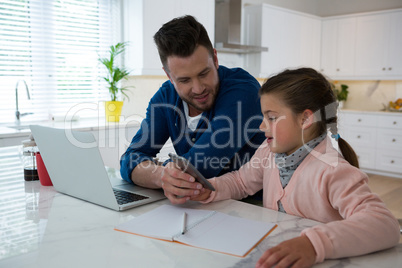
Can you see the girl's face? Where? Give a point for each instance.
(282, 128)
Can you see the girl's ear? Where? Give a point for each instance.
(307, 119)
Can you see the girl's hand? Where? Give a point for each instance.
(296, 253)
(204, 195)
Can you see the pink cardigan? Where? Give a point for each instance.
(324, 188)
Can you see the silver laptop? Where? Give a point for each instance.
(75, 166)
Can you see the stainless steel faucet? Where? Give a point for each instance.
(17, 112)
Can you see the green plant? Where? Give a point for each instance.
(114, 73)
(341, 94)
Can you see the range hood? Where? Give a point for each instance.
(228, 28)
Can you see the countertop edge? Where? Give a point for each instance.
(386, 113)
(81, 125)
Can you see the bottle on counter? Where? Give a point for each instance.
(29, 151)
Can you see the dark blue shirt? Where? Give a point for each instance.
(226, 137)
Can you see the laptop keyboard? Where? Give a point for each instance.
(124, 197)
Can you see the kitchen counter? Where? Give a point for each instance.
(11, 134)
(43, 228)
(12, 130)
(386, 113)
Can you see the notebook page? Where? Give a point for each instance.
(227, 234)
(205, 229)
(164, 222)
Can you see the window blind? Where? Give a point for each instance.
(54, 45)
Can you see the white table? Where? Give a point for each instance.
(42, 228)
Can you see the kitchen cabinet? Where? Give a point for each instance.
(363, 46)
(376, 138)
(293, 39)
(338, 47)
(142, 19)
(379, 45)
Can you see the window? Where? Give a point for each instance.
(54, 46)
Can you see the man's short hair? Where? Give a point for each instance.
(180, 37)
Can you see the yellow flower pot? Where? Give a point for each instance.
(113, 110)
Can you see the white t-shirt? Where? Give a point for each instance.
(192, 122)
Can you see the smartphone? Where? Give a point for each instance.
(187, 167)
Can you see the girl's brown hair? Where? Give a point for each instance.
(303, 89)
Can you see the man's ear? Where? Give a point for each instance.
(307, 119)
(215, 59)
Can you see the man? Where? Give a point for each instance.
(210, 112)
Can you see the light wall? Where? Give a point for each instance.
(326, 8)
(141, 90)
(363, 95)
(371, 95)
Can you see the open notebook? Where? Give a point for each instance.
(205, 229)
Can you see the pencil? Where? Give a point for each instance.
(183, 228)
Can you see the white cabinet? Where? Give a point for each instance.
(143, 18)
(379, 46)
(338, 47)
(293, 39)
(371, 44)
(389, 143)
(359, 131)
(363, 46)
(376, 139)
(394, 55)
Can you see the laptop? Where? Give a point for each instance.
(76, 168)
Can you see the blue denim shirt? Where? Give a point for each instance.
(226, 137)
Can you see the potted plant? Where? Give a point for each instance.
(114, 76)
(341, 93)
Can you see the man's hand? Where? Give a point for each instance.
(296, 253)
(179, 187)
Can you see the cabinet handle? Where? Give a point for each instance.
(392, 161)
(393, 140)
(358, 136)
(359, 120)
(390, 68)
(394, 122)
(337, 69)
(384, 69)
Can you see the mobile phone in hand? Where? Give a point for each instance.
(187, 167)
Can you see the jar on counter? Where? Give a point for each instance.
(29, 150)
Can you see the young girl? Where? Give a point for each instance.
(302, 174)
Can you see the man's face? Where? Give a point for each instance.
(195, 79)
